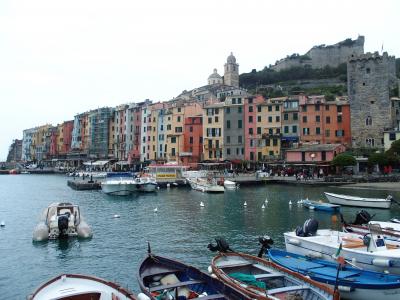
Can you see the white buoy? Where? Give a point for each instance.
(2, 224)
(263, 206)
(116, 216)
(158, 187)
(168, 185)
(245, 203)
(266, 201)
(155, 210)
(290, 202)
(201, 204)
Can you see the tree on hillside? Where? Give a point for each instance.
(394, 148)
(393, 154)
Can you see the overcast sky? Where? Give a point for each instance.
(60, 58)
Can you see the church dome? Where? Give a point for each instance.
(215, 75)
(231, 59)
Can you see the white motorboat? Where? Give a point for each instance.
(146, 184)
(61, 220)
(359, 201)
(119, 183)
(82, 287)
(205, 186)
(371, 252)
(230, 185)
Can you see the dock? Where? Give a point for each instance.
(84, 185)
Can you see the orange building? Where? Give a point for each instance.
(324, 122)
(193, 140)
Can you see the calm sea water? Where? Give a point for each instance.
(181, 229)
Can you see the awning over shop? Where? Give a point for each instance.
(96, 163)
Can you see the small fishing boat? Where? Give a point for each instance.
(230, 185)
(319, 205)
(390, 231)
(146, 184)
(352, 283)
(205, 185)
(371, 252)
(119, 184)
(359, 201)
(261, 279)
(164, 278)
(82, 287)
(61, 220)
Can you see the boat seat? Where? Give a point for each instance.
(244, 264)
(174, 285)
(209, 297)
(287, 289)
(262, 276)
(353, 245)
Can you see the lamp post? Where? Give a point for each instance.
(312, 167)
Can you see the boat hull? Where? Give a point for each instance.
(205, 187)
(121, 189)
(357, 201)
(364, 284)
(73, 286)
(326, 243)
(225, 266)
(321, 206)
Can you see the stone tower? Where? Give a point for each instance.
(231, 75)
(369, 79)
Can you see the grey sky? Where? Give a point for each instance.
(59, 58)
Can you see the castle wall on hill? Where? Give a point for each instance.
(321, 56)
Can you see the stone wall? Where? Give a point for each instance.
(370, 76)
(321, 56)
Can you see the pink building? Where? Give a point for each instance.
(314, 154)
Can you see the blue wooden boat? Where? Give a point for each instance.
(353, 283)
(321, 205)
(164, 278)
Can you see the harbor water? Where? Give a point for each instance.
(181, 229)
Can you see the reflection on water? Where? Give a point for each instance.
(181, 228)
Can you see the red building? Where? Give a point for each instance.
(67, 128)
(193, 140)
(324, 122)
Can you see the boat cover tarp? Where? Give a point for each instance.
(248, 279)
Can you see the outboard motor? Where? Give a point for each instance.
(266, 243)
(309, 228)
(221, 246)
(63, 223)
(362, 217)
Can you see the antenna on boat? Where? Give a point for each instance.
(148, 248)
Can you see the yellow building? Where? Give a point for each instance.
(213, 131)
(269, 122)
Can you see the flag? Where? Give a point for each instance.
(338, 251)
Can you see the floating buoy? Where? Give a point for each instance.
(311, 207)
(290, 202)
(168, 185)
(245, 203)
(155, 210)
(2, 224)
(263, 206)
(116, 216)
(266, 201)
(201, 204)
(158, 187)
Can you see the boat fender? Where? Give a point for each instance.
(343, 288)
(142, 296)
(382, 262)
(213, 275)
(209, 269)
(295, 242)
(314, 255)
